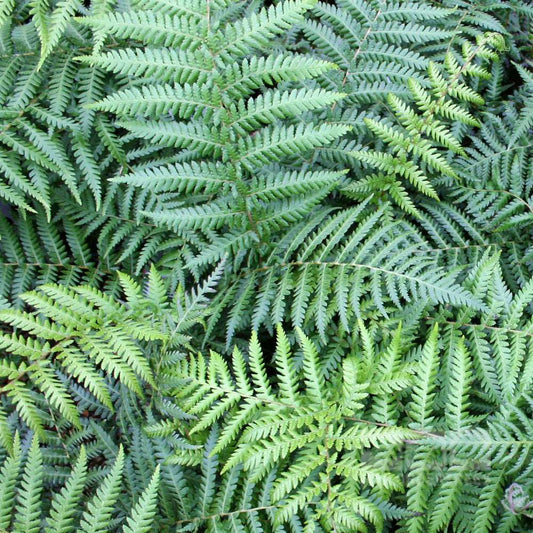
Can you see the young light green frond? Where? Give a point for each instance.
(312, 375)
(421, 407)
(97, 515)
(28, 516)
(414, 149)
(65, 503)
(8, 478)
(288, 385)
(75, 334)
(261, 381)
(461, 375)
(267, 430)
(142, 515)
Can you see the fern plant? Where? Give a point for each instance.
(413, 404)
(310, 432)
(347, 184)
(341, 265)
(413, 148)
(231, 114)
(58, 341)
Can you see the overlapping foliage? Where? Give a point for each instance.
(266, 266)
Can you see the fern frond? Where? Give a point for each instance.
(301, 421)
(28, 517)
(98, 512)
(65, 504)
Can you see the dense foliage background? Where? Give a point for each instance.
(266, 266)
